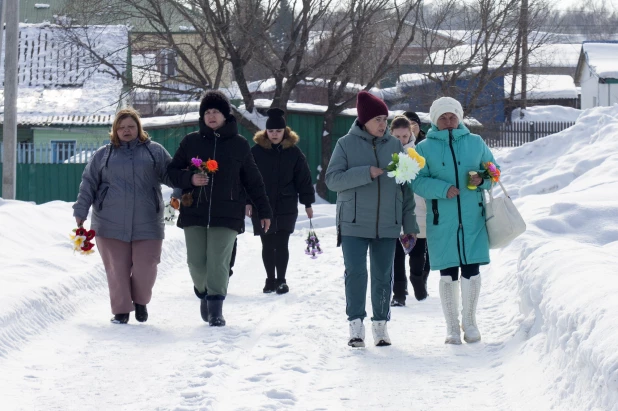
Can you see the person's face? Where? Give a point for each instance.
(127, 130)
(275, 136)
(447, 121)
(214, 118)
(376, 126)
(403, 134)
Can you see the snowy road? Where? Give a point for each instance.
(277, 352)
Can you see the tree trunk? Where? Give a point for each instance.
(327, 141)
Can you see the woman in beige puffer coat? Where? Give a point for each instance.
(407, 129)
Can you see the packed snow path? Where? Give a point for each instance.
(277, 352)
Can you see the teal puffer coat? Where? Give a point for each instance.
(369, 208)
(456, 232)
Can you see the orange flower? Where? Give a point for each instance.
(211, 165)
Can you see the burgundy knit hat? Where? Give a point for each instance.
(369, 106)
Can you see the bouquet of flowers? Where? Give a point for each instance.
(491, 172)
(313, 243)
(169, 214)
(81, 239)
(198, 166)
(405, 166)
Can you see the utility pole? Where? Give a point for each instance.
(524, 53)
(2, 14)
(9, 165)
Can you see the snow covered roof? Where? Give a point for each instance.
(602, 58)
(547, 55)
(268, 86)
(543, 87)
(59, 81)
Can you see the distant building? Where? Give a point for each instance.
(597, 73)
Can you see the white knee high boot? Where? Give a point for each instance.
(449, 296)
(470, 290)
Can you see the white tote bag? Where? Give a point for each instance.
(503, 221)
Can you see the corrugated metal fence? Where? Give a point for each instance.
(47, 172)
(53, 172)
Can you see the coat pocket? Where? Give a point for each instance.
(399, 207)
(346, 207)
(155, 197)
(103, 195)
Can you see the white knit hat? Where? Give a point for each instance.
(445, 105)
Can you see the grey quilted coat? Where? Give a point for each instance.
(123, 186)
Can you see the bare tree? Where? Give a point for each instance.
(287, 53)
(490, 43)
(390, 26)
(202, 38)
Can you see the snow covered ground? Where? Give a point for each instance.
(547, 313)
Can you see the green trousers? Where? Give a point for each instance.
(208, 257)
(381, 255)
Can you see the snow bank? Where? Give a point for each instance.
(546, 113)
(565, 264)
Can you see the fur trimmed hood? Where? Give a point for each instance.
(262, 140)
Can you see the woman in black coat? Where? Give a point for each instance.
(213, 204)
(287, 178)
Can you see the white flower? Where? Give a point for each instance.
(407, 169)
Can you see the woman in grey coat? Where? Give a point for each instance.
(371, 209)
(122, 183)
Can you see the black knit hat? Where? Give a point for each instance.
(369, 106)
(412, 116)
(215, 99)
(275, 119)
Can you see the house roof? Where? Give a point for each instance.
(60, 83)
(547, 55)
(543, 87)
(601, 57)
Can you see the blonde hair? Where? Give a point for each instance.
(121, 115)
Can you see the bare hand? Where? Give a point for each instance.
(375, 172)
(249, 210)
(452, 192)
(309, 212)
(413, 235)
(199, 180)
(79, 221)
(476, 180)
(265, 224)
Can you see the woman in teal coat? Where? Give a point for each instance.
(456, 232)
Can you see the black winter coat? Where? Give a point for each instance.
(222, 202)
(287, 178)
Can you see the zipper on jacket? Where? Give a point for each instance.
(375, 151)
(103, 194)
(212, 178)
(460, 228)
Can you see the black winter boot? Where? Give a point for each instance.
(204, 309)
(399, 293)
(419, 283)
(270, 286)
(120, 319)
(141, 313)
(215, 313)
(282, 287)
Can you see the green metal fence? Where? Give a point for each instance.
(41, 183)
